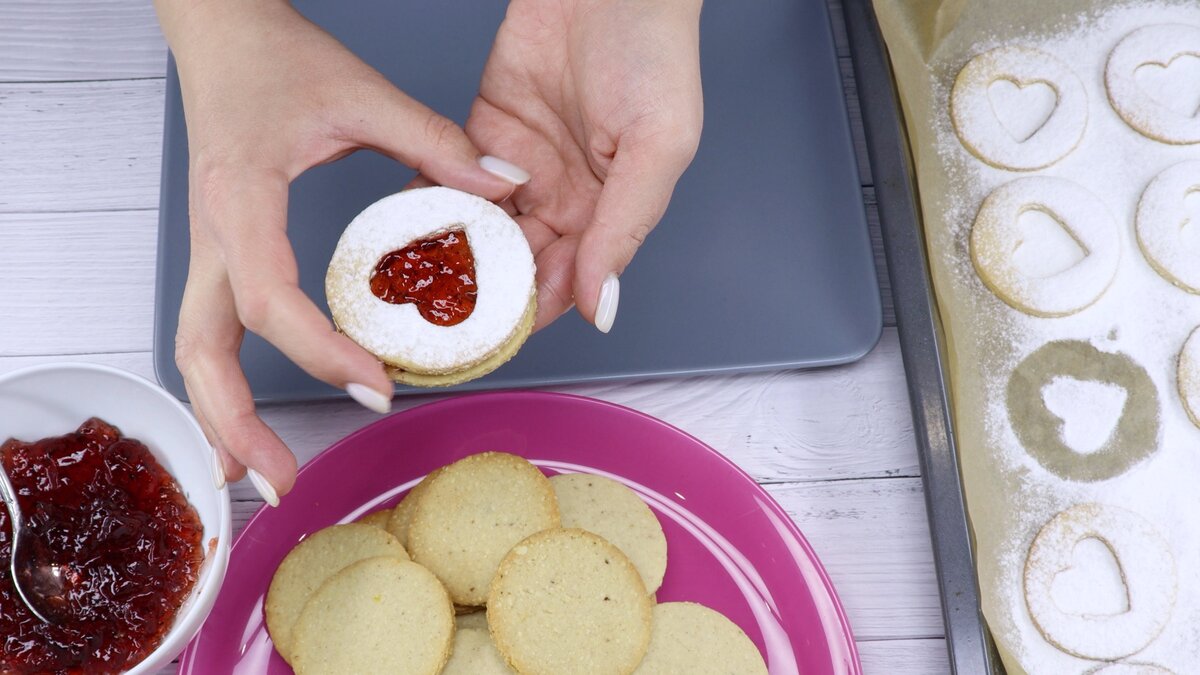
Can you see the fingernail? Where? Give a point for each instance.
(265, 490)
(218, 471)
(502, 169)
(369, 398)
(606, 306)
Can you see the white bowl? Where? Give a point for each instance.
(52, 400)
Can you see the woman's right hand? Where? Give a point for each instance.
(267, 95)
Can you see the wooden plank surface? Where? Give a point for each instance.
(57, 40)
(829, 424)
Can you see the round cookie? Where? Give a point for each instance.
(380, 615)
(378, 519)
(472, 513)
(404, 335)
(1161, 216)
(1156, 45)
(691, 638)
(315, 559)
(1135, 436)
(1188, 376)
(401, 516)
(995, 237)
(475, 654)
(503, 355)
(567, 602)
(1147, 569)
(982, 131)
(605, 507)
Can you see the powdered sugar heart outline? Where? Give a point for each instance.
(1158, 44)
(1147, 567)
(994, 237)
(982, 132)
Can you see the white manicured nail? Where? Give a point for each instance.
(218, 471)
(606, 306)
(265, 490)
(369, 398)
(506, 170)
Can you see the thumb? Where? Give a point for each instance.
(412, 133)
(635, 195)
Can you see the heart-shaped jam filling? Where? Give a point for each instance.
(437, 274)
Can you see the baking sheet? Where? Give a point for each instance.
(762, 262)
(969, 646)
(928, 42)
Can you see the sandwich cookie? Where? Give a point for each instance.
(436, 283)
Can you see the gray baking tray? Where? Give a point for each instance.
(970, 646)
(762, 261)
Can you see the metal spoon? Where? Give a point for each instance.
(39, 584)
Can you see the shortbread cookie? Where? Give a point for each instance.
(1161, 217)
(1129, 669)
(378, 519)
(567, 602)
(1146, 566)
(401, 516)
(691, 638)
(503, 355)
(1188, 376)
(472, 513)
(607, 508)
(475, 654)
(1152, 46)
(995, 236)
(437, 283)
(316, 558)
(1040, 431)
(983, 132)
(380, 615)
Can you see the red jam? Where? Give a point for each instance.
(436, 274)
(127, 539)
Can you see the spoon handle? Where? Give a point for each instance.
(7, 494)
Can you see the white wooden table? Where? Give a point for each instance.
(81, 102)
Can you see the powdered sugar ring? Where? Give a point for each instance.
(1146, 565)
(397, 334)
(981, 130)
(1129, 669)
(995, 237)
(1151, 45)
(1161, 216)
(1133, 439)
(1188, 376)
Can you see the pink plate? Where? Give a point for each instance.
(731, 546)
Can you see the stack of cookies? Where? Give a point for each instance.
(488, 566)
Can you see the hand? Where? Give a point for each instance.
(268, 95)
(601, 101)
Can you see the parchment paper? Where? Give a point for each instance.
(928, 42)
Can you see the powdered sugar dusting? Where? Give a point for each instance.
(1089, 410)
(1140, 314)
(1147, 576)
(397, 334)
